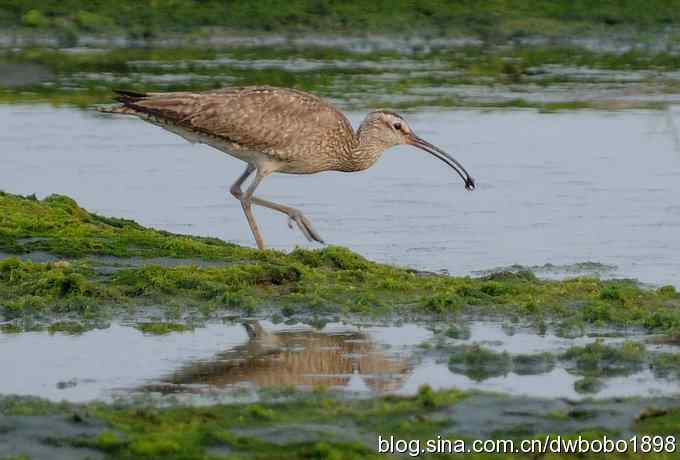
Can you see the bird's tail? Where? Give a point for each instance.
(124, 97)
(129, 96)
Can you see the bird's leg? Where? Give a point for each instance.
(246, 200)
(236, 188)
(294, 215)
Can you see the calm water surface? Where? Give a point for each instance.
(222, 362)
(553, 188)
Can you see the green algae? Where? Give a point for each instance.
(668, 291)
(59, 226)
(588, 385)
(532, 364)
(154, 328)
(492, 19)
(356, 79)
(186, 432)
(109, 441)
(666, 364)
(598, 359)
(479, 363)
(328, 280)
(68, 327)
(320, 425)
(458, 332)
(659, 422)
(30, 406)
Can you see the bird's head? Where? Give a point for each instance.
(386, 129)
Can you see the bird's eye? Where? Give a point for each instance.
(397, 126)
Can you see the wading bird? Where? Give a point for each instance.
(277, 130)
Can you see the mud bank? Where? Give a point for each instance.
(90, 266)
(311, 425)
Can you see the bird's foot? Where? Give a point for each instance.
(304, 225)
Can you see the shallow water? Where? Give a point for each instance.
(118, 360)
(558, 188)
(223, 362)
(555, 381)
(383, 82)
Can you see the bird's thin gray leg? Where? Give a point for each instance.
(294, 215)
(236, 188)
(245, 199)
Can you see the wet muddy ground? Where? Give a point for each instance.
(43, 431)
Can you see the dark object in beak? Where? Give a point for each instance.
(445, 157)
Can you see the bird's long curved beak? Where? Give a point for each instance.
(445, 157)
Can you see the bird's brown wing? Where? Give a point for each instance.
(277, 121)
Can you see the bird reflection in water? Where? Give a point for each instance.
(300, 358)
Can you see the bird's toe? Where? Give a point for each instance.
(312, 233)
(298, 219)
(305, 227)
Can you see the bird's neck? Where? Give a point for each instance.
(365, 151)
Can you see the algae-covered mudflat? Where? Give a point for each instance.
(506, 18)
(175, 346)
(547, 77)
(59, 258)
(550, 55)
(290, 425)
